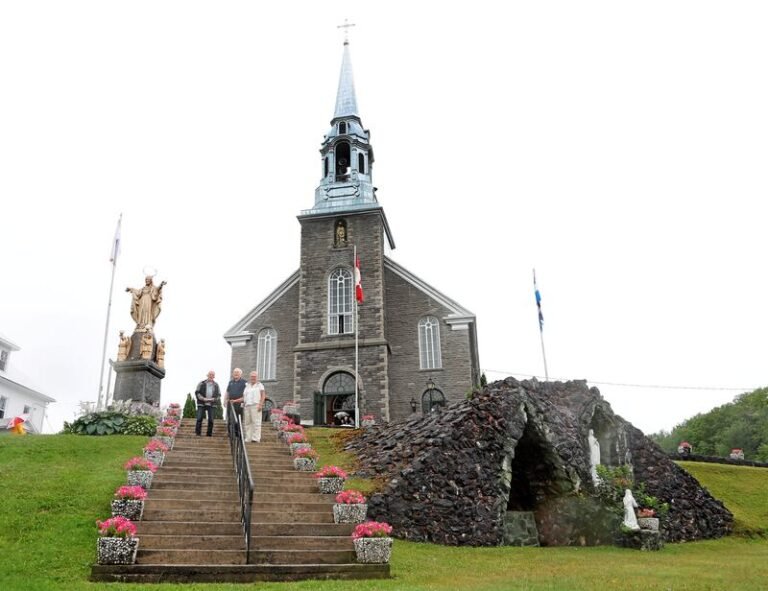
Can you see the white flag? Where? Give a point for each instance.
(116, 242)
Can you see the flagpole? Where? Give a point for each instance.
(541, 325)
(357, 409)
(115, 249)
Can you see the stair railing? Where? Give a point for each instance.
(244, 476)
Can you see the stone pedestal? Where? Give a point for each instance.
(520, 529)
(138, 380)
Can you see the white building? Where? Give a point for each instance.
(16, 399)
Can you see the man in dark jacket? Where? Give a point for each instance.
(207, 392)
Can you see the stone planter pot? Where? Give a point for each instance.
(156, 457)
(330, 485)
(116, 550)
(167, 441)
(373, 550)
(352, 513)
(128, 508)
(295, 446)
(651, 523)
(305, 464)
(367, 423)
(142, 478)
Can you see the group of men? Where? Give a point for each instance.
(247, 399)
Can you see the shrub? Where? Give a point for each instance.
(190, 409)
(139, 425)
(99, 423)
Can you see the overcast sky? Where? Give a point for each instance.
(619, 148)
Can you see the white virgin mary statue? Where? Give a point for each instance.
(630, 519)
(594, 456)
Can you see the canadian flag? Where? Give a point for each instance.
(358, 284)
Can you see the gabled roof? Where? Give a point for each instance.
(24, 390)
(238, 331)
(459, 316)
(6, 343)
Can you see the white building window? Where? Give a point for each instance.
(429, 343)
(3, 359)
(27, 409)
(266, 355)
(340, 288)
(3, 401)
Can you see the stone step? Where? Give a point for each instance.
(301, 542)
(168, 573)
(193, 542)
(189, 482)
(184, 528)
(208, 556)
(325, 516)
(274, 486)
(213, 514)
(151, 505)
(301, 529)
(230, 496)
(220, 470)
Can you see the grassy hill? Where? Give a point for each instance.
(53, 488)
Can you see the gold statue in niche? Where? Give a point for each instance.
(147, 342)
(340, 236)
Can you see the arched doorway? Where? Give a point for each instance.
(338, 399)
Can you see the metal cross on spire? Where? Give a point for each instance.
(346, 27)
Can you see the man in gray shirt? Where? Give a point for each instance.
(206, 393)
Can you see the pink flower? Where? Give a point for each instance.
(174, 405)
(372, 529)
(350, 497)
(368, 417)
(331, 472)
(297, 438)
(168, 422)
(305, 452)
(131, 493)
(155, 446)
(116, 527)
(292, 428)
(166, 432)
(139, 463)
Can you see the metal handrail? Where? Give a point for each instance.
(244, 476)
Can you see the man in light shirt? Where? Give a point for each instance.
(253, 401)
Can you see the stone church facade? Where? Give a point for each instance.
(417, 348)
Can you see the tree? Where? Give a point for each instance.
(190, 409)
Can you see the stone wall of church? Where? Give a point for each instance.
(314, 367)
(406, 305)
(282, 317)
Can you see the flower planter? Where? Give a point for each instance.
(166, 441)
(156, 457)
(295, 446)
(373, 550)
(116, 550)
(330, 485)
(651, 523)
(128, 508)
(352, 513)
(142, 478)
(368, 423)
(305, 464)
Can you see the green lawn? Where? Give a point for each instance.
(743, 489)
(55, 487)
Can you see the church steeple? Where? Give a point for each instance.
(346, 153)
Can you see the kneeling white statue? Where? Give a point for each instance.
(630, 519)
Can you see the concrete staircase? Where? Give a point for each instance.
(191, 530)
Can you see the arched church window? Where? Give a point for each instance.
(433, 400)
(343, 127)
(342, 152)
(340, 288)
(266, 354)
(361, 163)
(429, 343)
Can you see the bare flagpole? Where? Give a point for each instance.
(113, 260)
(357, 387)
(541, 325)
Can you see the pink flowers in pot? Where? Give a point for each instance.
(331, 472)
(305, 452)
(372, 529)
(131, 493)
(292, 428)
(116, 527)
(368, 418)
(165, 432)
(170, 423)
(297, 438)
(139, 463)
(350, 497)
(156, 446)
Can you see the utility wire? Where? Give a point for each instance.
(657, 386)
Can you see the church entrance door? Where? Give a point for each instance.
(339, 399)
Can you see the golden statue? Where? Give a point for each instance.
(340, 238)
(124, 347)
(145, 304)
(160, 353)
(146, 346)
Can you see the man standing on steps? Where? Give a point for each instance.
(253, 400)
(235, 390)
(207, 392)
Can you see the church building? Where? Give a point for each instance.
(416, 347)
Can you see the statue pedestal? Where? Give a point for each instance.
(138, 380)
